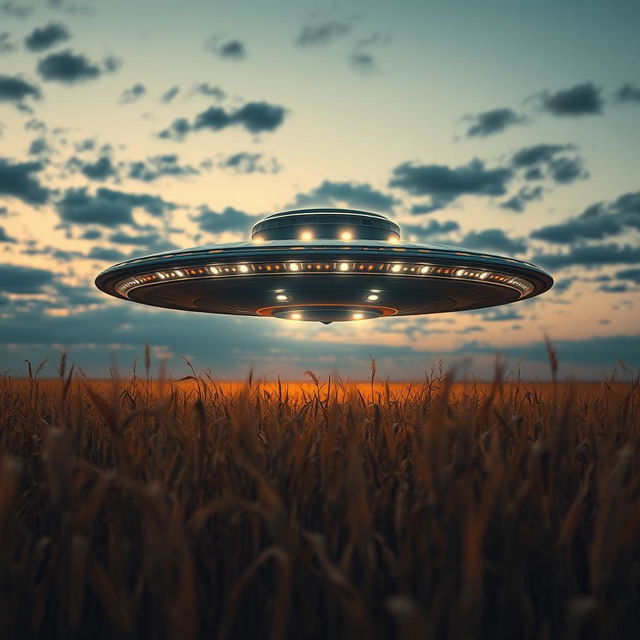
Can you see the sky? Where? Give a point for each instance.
(131, 128)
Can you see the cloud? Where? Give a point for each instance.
(100, 170)
(17, 180)
(45, 37)
(628, 93)
(13, 10)
(489, 122)
(255, 117)
(6, 45)
(445, 184)
(232, 49)
(70, 68)
(629, 274)
(494, 240)
(323, 33)
(244, 162)
(228, 220)
(362, 62)
(106, 254)
(159, 167)
(501, 315)
(351, 194)
(537, 154)
(106, 207)
(132, 94)
(518, 202)
(590, 256)
(433, 228)
(4, 238)
(206, 89)
(543, 159)
(614, 288)
(597, 222)
(567, 170)
(170, 94)
(39, 146)
(15, 89)
(18, 279)
(582, 99)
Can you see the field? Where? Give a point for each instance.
(139, 508)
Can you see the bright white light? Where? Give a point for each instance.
(373, 297)
(357, 316)
(160, 275)
(214, 270)
(393, 239)
(282, 297)
(293, 266)
(179, 273)
(396, 267)
(343, 266)
(296, 316)
(306, 235)
(346, 235)
(425, 269)
(243, 268)
(484, 275)
(460, 272)
(258, 239)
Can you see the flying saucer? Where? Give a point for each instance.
(324, 265)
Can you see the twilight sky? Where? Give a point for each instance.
(133, 127)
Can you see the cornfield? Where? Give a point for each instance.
(140, 508)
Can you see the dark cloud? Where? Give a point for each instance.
(582, 99)
(132, 94)
(45, 37)
(567, 170)
(18, 279)
(245, 162)
(494, 240)
(362, 62)
(17, 180)
(99, 170)
(69, 67)
(590, 256)
(493, 121)
(614, 288)
(352, 194)
(433, 228)
(106, 207)
(39, 146)
(255, 117)
(445, 184)
(629, 274)
(15, 89)
(628, 93)
(232, 49)
(538, 154)
(210, 90)
(544, 159)
(106, 254)
(91, 234)
(597, 222)
(170, 94)
(228, 220)
(158, 167)
(322, 33)
(519, 201)
(5, 238)
(501, 315)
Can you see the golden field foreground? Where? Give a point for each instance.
(197, 509)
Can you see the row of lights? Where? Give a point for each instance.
(297, 315)
(307, 236)
(395, 268)
(281, 296)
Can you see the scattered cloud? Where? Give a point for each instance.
(5, 238)
(255, 117)
(106, 254)
(323, 33)
(538, 154)
(209, 90)
(614, 288)
(70, 68)
(106, 207)
(629, 274)
(100, 170)
(228, 49)
(580, 100)
(494, 240)
(18, 180)
(46, 37)
(228, 220)
(351, 194)
(15, 89)
(158, 167)
(628, 93)
(19, 279)
(39, 146)
(245, 162)
(14, 10)
(362, 62)
(132, 94)
(430, 230)
(519, 201)
(170, 94)
(444, 184)
(542, 160)
(493, 121)
(567, 170)
(6, 44)
(597, 222)
(590, 256)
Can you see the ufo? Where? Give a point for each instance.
(324, 265)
